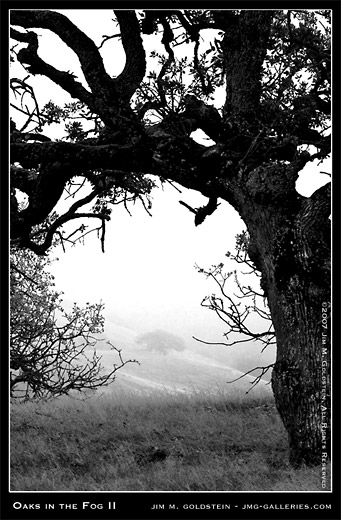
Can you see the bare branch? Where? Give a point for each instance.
(211, 342)
(188, 206)
(41, 249)
(230, 312)
(19, 86)
(106, 38)
(258, 378)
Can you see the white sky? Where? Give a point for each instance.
(146, 278)
(147, 275)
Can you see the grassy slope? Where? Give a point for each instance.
(126, 441)
(182, 370)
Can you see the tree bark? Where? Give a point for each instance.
(303, 358)
(294, 261)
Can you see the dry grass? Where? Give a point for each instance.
(130, 442)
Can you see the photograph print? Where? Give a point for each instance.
(170, 350)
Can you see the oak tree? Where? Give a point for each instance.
(273, 70)
(160, 341)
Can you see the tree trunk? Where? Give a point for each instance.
(301, 376)
(293, 254)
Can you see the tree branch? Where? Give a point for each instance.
(40, 249)
(133, 73)
(205, 116)
(257, 379)
(65, 80)
(85, 49)
(80, 156)
(202, 212)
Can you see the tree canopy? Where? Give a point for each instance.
(272, 67)
(160, 341)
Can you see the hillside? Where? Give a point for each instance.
(198, 366)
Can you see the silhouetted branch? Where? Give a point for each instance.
(202, 212)
(85, 49)
(258, 378)
(135, 66)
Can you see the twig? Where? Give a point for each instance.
(106, 38)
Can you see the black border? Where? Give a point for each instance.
(137, 505)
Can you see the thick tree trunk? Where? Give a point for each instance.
(301, 376)
(295, 264)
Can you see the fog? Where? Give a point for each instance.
(147, 280)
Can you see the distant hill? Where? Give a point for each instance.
(184, 372)
(193, 369)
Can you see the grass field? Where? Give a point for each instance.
(126, 441)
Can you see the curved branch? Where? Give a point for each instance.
(133, 73)
(85, 49)
(65, 80)
(44, 190)
(40, 249)
(21, 87)
(71, 214)
(83, 201)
